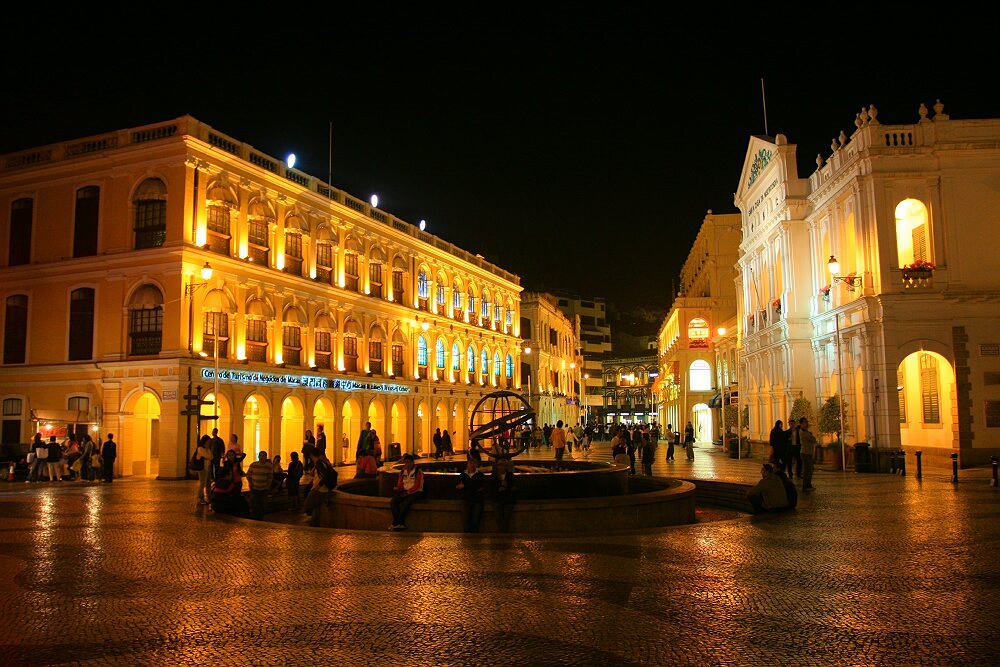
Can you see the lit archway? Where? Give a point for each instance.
(350, 426)
(221, 407)
(701, 419)
(256, 426)
(139, 448)
(925, 384)
(399, 428)
(292, 428)
(323, 416)
(377, 416)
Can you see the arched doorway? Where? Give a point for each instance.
(139, 451)
(256, 426)
(292, 428)
(225, 421)
(702, 422)
(351, 426)
(459, 425)
(926, 384)
(323, 417)
(423, 428)
(376, 415)
(399, 428)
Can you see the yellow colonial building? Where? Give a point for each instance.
(152, 264)
(552, 368)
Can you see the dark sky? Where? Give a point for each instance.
(578, 150)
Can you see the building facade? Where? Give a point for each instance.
(551, 370)
(688, 381)
(595, 345)
(630, 393)
(151, 264)
(870, 281)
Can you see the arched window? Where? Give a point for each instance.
(484, 359)
(456, 298)
(471, 360)
(456, 358)
(471, 304)
(150, 205)
(326, 251)
(510, 367)
(398, 343)
(81, 324)
(220, 202)
(439, 293)
(376, 264)
(258, 312)
(439, 354)
(19, 248)
(215, 324)
(291, 337)
(15, 329)
(324, 332)
(352, 332)
(88, 202)
(145, 321)
(912, 232)
(700, 376)
(496, 364)
(352, 272)
(484, 306)
(421, 351)
(259, 219)
(423, 286)
(375, 364)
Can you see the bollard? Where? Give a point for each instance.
(995, 481)
(902, 462)
(919, 468)
(954, 468)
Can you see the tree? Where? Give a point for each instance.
(802, 407)
(829, 416)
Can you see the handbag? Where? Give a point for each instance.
(196, 463)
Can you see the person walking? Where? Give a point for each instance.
(446, 445)
(203, 453)
(689, 441)
(793, 464)
(646, 454)
(324, 481)
(807, 444)
(321, 439)
(558, 441)
(218, 452)
(308, 445)
(86, 459)
(472, 482)
(670, 442)
(363, 439)
(109, 452)
(570, 440)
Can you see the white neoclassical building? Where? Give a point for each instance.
(872, 280)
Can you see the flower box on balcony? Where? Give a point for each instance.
(918, 274)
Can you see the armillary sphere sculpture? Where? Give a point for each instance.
(493, 423)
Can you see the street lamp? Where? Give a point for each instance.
(586, 404)
(189, 290)
(852, 281)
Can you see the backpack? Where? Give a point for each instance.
(329, 479)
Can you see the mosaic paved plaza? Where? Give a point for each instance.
(871, 569)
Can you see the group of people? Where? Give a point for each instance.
(474, 488)
(73, 459)
(442, 444)
(793, 450)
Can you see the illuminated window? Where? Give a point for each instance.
(484, 305)
(256, 340)
(323, 349)
(150, 214)
(471, 360)
(351, 353)
(145, 329)
(375, 279)
(456, 297)
(291, 345)
(698, 334)
(215, 329)
(929, 395)
(421, 351)
(351, 271)
(440, 296)
(439, 354)
(484, 363)
(700, 376)
(472, 304)
(510, 317)
(912, 232)
(293, 253)
(259, 248)
(509, 367)
(375, 357)
(456, 358)
(423, 289)
(496, 363)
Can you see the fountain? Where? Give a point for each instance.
(553, 497)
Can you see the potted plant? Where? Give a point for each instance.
(776, 305)
(829, 422)
(920, 268)
(824, 292)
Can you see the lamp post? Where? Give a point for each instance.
(851, 282)
(189, 290)
(586, 403)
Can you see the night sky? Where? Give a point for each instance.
(580, 151)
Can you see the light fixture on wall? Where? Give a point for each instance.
(852, 281)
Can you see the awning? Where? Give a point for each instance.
(62, 416)
(716, 401)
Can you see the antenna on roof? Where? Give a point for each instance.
(763, 101)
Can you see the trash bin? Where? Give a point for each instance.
(734, 448)
(862, 457)
(394, 452)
